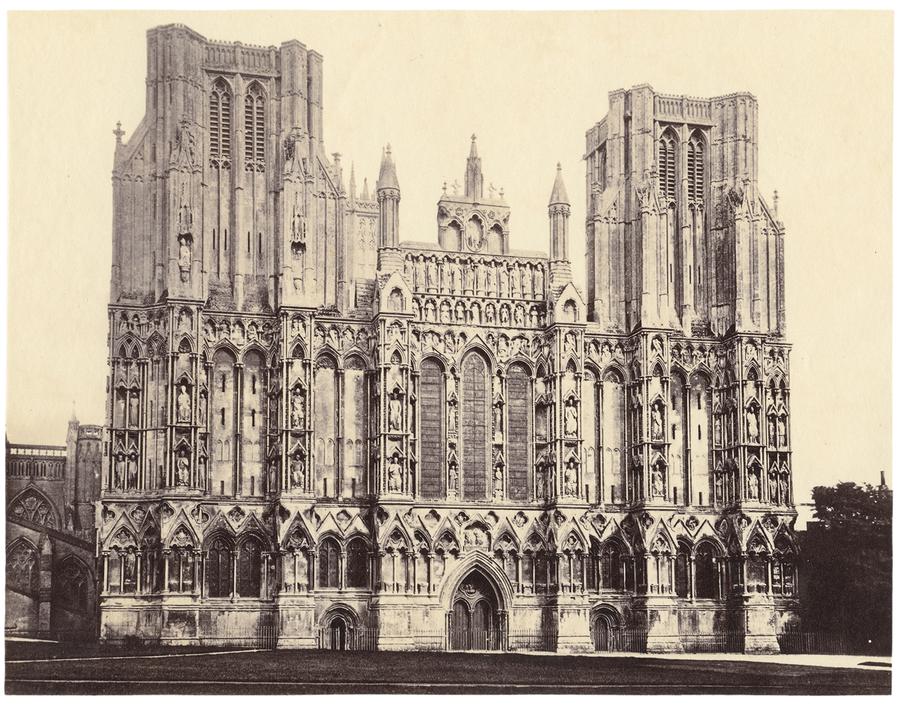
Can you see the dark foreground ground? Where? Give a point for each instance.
(40, 669)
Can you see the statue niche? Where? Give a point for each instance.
(185, 238)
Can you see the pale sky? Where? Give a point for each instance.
(529, 85)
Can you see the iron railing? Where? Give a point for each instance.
(792, 642)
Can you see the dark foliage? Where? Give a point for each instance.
(846, 566)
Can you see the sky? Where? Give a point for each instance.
(529, 85)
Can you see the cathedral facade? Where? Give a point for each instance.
(344, 439)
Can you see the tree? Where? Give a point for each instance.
(846, 564)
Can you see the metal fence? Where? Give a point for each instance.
(626, 639)
(348, 639)
(716, 643)
(812, 643)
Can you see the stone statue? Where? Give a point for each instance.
(133, 409)
(656, 347)
(184, 256)
(432, 274)
(202, 410)
(717, 430)
(395, 474)
(498, 481)
(519, 316)
(502, 281)
(395, 414)
(183, 470)
(754, 485)
(297, 410)
(659, 487)
(656, 423)
(527, 281)
(132, 472)
(420, 273)
(120, 408)
(454, 478)
(539, 282)
(298, 473)
(183, 405)
(772, 432)
(570, 479)
(719, 484)
(783, 486)
(498, 423)
(752, 426)
(119, 471)
(782, 432)
(514, 289)
(773, 487)
(541, 482)
(571, 419)
(453, 418)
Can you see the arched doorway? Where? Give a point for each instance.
(336, 634)
(605, 630)
(475, 620)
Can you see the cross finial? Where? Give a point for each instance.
(444, 189)
(387, 150)
(775, 203)
(119, 132)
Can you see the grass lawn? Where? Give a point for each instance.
(397, 672)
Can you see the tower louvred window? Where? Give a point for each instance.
(220, 124)
(695, 168)
(666, 166)
(254, 127)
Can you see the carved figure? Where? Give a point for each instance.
(782, 432)
(395, 474)
(659, 486)
(752, 426)
(183, 405)
(571, 418)
(183, 470)
(656, 423)
(298, 472)
(754, 485)
(395, 414)
(133, 409)
(132, 472)
(570, 479)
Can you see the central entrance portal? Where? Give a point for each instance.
(475, 620)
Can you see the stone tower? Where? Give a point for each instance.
(685, 263)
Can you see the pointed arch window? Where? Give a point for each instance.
(220, 124)
(254, 128)
(666, 166)
(696, 168)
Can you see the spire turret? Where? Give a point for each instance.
(559, 211)
(388, 192)
(559, 194)
(387, 176)
(474, 178)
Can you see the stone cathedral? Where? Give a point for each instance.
(340, 438)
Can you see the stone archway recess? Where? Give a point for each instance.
(476, 620)
(606, 624)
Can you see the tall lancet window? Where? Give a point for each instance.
(220, 124)
(254, 128)
(666, 166)
(695, 168)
